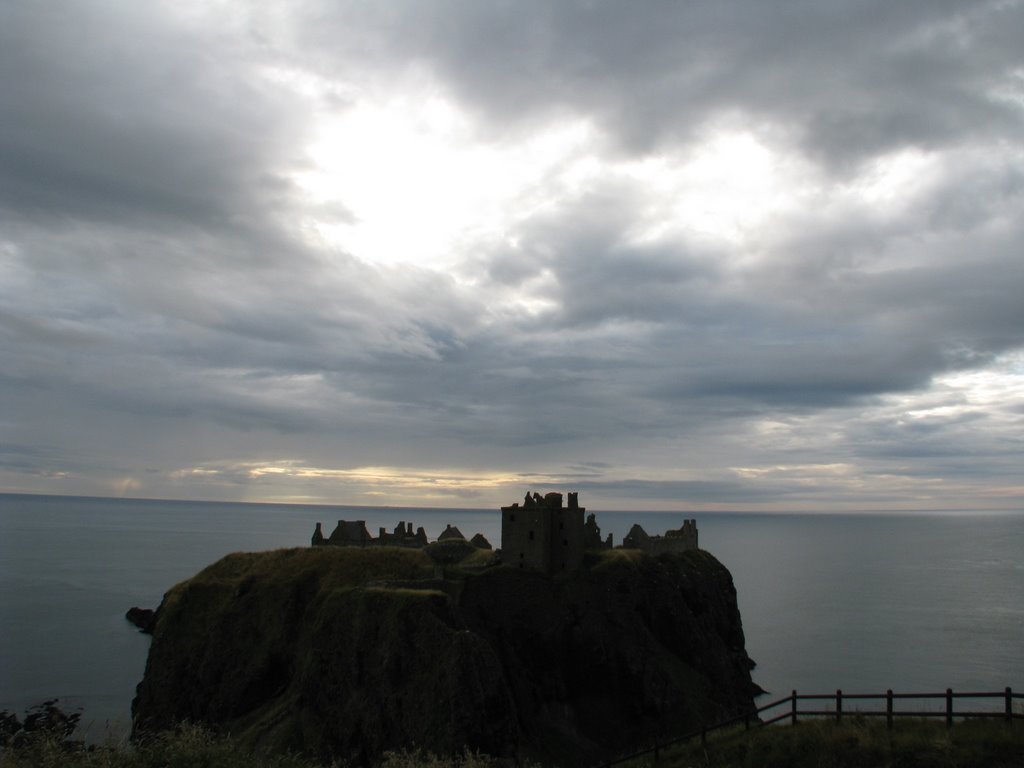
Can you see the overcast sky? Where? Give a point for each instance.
(674, 255)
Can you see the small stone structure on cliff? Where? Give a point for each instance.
(681, 539)
(450, 532)
(353, 533)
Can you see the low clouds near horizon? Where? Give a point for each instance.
(712, 255)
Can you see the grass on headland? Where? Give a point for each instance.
(43, 739)
(857, 742)
(189, 746)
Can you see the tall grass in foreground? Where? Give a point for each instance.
(190, 747)
(857, 742)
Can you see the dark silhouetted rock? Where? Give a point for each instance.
(143, 618)
(345, 653)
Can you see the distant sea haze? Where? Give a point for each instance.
(908, 601)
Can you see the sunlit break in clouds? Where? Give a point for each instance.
(712, 255)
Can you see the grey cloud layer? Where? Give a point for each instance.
(160, 306)
(849, 79)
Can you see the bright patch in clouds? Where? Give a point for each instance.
(724, 188)
(419, 185)
(413, 182)
(1000, 386)
(295, 479)
(894, 182)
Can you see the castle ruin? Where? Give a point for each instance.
(681, 539)
(540, 534)
(353, 533)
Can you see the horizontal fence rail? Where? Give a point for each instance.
(849, 704)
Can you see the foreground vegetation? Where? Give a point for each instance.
(188, 747)
(857, 742)
(43, 740)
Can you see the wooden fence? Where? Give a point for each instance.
(850, 704)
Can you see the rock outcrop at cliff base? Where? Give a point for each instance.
(346, 653)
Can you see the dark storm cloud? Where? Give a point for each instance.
(119, 114)
(849, 79)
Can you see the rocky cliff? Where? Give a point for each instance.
(346, 653)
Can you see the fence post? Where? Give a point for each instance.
(1009, 705)
(839, 705)
(793, 705)
(888, 709)
(949, 707)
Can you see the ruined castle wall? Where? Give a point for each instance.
(664, 544)
(567, 541)
(526, 537)
(542, 534)
(637, 538)
(353, 533)
(350, 533)
(682, 539)
(592, 535)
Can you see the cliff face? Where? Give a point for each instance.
(346, 653)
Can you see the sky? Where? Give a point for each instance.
(703, 255)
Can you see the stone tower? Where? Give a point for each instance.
(542, 534)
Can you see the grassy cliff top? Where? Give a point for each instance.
(342, 568)
(355, 566)
(281, 571)
(334, 566)
(337, 566)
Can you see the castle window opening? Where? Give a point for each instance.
(531, 535)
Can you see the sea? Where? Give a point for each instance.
(913, 602)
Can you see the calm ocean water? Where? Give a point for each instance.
(911, 602)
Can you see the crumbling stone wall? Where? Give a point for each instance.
(682, 539)
(353, 533)
(402, 537)
(592, 535)
(348, 533)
